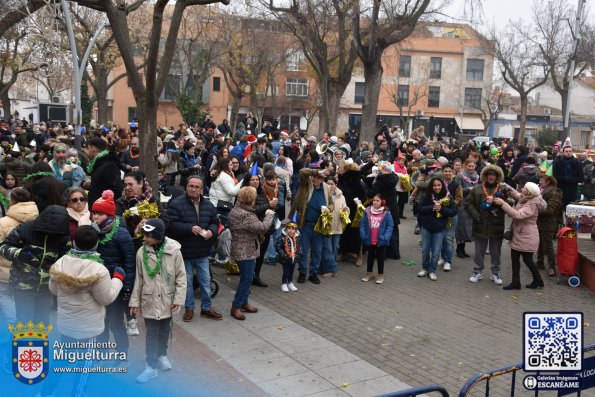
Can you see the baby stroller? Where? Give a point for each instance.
(568, 256)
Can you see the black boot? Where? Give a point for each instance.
(535, 284)
(461, 250)
(465, 255)
(515, 284)
(257, 281)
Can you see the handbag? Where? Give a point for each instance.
(224, 205)
(508, 233)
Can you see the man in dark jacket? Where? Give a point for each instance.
(33, 247)
(193, 222)
(104, 170)
(569, 173)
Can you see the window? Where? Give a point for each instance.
(296, 86)
(585, 138)
(405, 66)
(294, 61)
(360, 91)
(436, 68)
(403, 95)
(172, 88)
(132, 114)
(216, 84)
(473, 98)
(434, 97)
(475, 69)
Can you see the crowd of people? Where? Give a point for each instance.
(87, 226)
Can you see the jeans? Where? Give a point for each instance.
(201, 265)
(312, 244)
(114, 321)
(376, 253)
(431, 242)
(481, 244)
(157, 337)
(246, 277)
(33, 305)
(271, 255)
(330, 249)
(448, 244)
(78, 381)
(295, 184)
(288, 268)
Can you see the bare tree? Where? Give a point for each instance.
(15, 54)
(520, 64)
(374, 30)
(416, 90)
(322, 27)
(554, 39)
(491, 103)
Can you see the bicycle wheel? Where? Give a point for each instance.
(214, 288)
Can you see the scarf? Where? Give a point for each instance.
(377, 211)
(190, 161)
(399, 169)
(83, 218)
(471, 179)
(147, 194)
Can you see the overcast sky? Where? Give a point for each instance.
(499, 12)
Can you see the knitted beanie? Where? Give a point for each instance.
(384, 167)
(105, 204)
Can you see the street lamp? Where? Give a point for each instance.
(78, 70)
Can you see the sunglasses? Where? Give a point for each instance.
(78, 199)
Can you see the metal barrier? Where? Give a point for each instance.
(416, 391)
(487, 376)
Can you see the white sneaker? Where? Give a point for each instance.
(131, 327)
(433, 276)
(441, 262)
(422, 273)
(292, 287)
(148, 374)
(496, 279)
(447, 266)
(164, 363)
(475, 277)
(284, 288)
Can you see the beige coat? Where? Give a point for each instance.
(338, 205)
(17, 214)
(83, 288)
(246, 230)
(155, 295)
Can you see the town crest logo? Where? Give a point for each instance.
(30, 351)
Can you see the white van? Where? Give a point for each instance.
(480, 140)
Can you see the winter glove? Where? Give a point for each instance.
(119, 273)
(126, 294)
(25, 256)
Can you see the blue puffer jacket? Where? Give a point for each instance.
(182, 216)
(119, 251)
(384, 234)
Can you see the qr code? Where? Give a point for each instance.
(553, 341)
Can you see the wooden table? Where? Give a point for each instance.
(586, 262)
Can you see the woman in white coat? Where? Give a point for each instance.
(224, 189)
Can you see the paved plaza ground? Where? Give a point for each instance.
(345, 337)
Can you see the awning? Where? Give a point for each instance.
(470, 123)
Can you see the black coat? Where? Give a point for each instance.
(385, 185)
(105, 176)
(568, 182)
(119, 251)
(182, 216)
(352, 186)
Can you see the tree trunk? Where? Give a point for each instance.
(101, 84)
(147, 126)
(334, 101)
(233, 119)
(324, 118)
(6, 105)
(373, 77)
(524, 103)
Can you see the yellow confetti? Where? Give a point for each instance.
(514, 298)
(280, 327)
(587, 324)
(344, 384)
